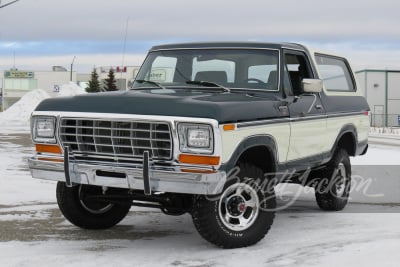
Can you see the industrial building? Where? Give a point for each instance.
(382, 90)
(16, 82)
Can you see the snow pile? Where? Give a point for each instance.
(71, 89)
(20, 112)
(18, 115)
(387, 130)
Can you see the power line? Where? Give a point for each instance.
(10, 3)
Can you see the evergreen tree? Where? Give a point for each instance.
(94, 84)
(110, 82)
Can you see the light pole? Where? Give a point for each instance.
(72, 65)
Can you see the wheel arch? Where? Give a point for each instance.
(347, 139)
(261, 150)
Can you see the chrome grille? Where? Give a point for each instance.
(116, 139)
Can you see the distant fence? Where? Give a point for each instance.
(383, 120)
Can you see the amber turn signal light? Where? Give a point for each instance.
(197, 159)
(229, 127)
(48, 149)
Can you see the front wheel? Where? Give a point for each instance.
(243, 213)
(86, 213)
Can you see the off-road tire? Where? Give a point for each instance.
(212, 226)
(90, 215)
(336, 174)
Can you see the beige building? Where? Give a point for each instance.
(16, 82)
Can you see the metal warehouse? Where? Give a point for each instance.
(382, 90)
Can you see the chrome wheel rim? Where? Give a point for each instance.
(94, 207)
(239, 207)
(341, 176)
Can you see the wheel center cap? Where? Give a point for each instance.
(242, 207)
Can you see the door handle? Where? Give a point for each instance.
(283, 110)
(318, 106)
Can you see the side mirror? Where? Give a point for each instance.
(311, 85)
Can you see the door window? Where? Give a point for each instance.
(296, 69)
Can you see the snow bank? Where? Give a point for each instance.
(18, 115)
(20, 112)
(71, 89)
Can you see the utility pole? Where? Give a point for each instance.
(72, 65)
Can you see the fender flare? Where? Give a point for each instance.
(347, 128)
(266, 141)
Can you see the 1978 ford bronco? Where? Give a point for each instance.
(208, 129)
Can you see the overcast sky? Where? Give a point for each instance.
(43, 33)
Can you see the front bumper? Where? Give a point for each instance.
(161, 179)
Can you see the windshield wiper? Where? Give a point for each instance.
(150, 82)
(209, 84)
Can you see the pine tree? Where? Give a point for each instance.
(94, 84)
(110, 82)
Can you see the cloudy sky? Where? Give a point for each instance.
(43, 33)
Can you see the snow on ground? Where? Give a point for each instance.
(34, 233)
(16, 183)
(16, 147)
(380, 154)
(385, 130)
(297, 238)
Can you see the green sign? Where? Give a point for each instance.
(16, 74)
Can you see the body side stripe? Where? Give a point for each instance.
(296, 119)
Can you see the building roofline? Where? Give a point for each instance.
(378, 70)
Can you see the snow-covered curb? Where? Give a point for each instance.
(385, 130)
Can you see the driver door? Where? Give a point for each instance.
(307, 114)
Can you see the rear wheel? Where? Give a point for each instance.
(332, 193)
(241, 216)
(86, 213)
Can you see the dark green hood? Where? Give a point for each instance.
(223, 107)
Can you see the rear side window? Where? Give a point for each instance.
(335, 73)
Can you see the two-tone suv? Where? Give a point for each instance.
(208, 129)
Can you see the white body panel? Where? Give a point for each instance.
(361, 123)
(308, 138)
(280, 133)
(305, 138)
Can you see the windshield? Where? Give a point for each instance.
(226, 68)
